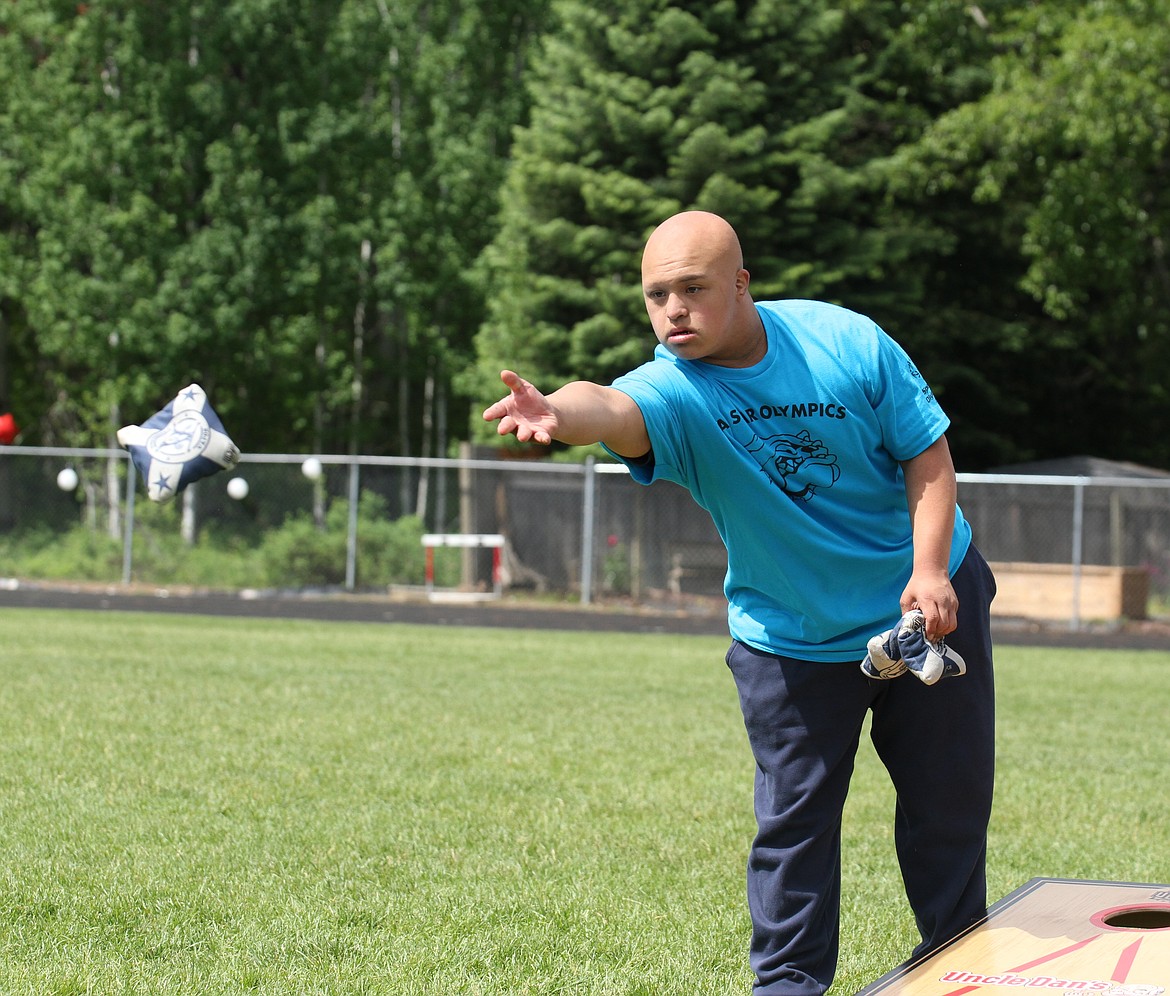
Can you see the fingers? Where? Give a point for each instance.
(515, 384)
(523, 431)
(514, 381)
(939, 617)
(939, 605)
(939, 623)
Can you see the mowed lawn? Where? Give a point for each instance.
(209, 805)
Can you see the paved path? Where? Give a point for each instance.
(369, 609)
(505, 613)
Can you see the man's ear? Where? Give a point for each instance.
(742, 279)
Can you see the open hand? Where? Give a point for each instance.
(524, 412)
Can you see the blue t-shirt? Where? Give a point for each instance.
(797, 460)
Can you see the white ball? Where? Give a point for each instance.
(312, 469)
(67, 479)
(237, 488)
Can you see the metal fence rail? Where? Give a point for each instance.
(582, 529)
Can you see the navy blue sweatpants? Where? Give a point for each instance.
(804, 723)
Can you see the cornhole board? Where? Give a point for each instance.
(1052, 936)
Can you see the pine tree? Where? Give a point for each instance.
(774, 114)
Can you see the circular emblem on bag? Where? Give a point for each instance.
(181, 439)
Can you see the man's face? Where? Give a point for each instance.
(692, 295)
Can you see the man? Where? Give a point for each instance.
(819, 452)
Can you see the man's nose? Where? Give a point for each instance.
(676, 307)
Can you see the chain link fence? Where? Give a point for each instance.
(1068, 549)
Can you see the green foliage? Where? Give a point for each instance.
(777, 115)
(987, 181)
(389, 551)
(274, 200)
(160, 557)
(615, 567)
(294, 554)
(79, 554)
(1050, 191)
(343, 218)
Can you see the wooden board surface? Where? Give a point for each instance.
(1053, 936)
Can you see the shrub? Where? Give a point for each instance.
(389, 551)
(80, 554)
(297, 554)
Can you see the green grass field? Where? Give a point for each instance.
(203, 806)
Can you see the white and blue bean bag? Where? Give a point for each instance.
(179, 445)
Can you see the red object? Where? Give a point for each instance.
(8, 429)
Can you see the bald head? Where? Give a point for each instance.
(697, 236)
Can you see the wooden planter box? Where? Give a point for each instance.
(1047, 591)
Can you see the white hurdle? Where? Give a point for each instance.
(494, 541)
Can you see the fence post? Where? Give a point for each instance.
(351, 536)
(1077, 550)
(587, 527)
(467, 523)
(128, 535)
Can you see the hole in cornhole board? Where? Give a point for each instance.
(1145, 917)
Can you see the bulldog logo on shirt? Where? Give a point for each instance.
(795, 462)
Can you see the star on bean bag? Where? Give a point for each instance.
(180, 444)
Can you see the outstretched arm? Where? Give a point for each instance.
(579, 413)
(931, 493)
